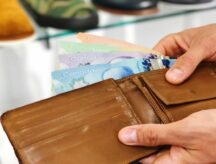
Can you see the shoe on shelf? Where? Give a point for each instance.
(187, 1)
(15, 24)
(130, 7)
(63, 14)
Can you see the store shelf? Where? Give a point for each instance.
(110, 20)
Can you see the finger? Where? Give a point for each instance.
(174, 155)
(155, 134)
(164, 159)
(152, 158)
(172, 45)
(185, 66)
(148, 160)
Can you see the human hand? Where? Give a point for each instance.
(191, 46)
(193, 139)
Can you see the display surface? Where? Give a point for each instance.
(112, 20)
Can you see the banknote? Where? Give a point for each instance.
(76, 47)
(93, 39)
(91, 58)
(74, 78)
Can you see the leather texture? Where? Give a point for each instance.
(81, 126)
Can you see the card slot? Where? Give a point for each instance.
(157, 106)
(127, 102)
(158, 101)
(163, 107)
(138, 102)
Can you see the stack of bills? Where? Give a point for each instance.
(95, 59)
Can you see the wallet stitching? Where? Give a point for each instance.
(126, 102)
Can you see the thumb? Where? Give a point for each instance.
(153, 135)
(185, 65)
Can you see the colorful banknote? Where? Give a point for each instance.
(75, 47)
(74, 78)
(81, 59)
(93, 39)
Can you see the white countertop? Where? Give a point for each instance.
(7, 155)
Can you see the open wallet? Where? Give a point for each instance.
(81, 126)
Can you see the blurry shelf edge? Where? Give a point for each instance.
(47, 36)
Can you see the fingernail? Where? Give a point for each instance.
(175, 75)
(128, 136)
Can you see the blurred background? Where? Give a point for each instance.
(26, 64)
(30, 31)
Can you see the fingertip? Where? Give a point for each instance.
(159, 49)
(128, 136)
(175, 76)
(183, 68)
(121, 135)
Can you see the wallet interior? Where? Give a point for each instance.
(82, 126)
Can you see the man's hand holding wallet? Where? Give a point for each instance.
(193, 139)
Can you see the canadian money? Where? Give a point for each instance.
(74, 78)
(76, 47)
(92, 39)
(92, 58)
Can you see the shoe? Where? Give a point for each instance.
(15, 24)
(188, 1)
(63, 14)
(133, 7)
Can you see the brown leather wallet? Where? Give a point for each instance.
(81, 126)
